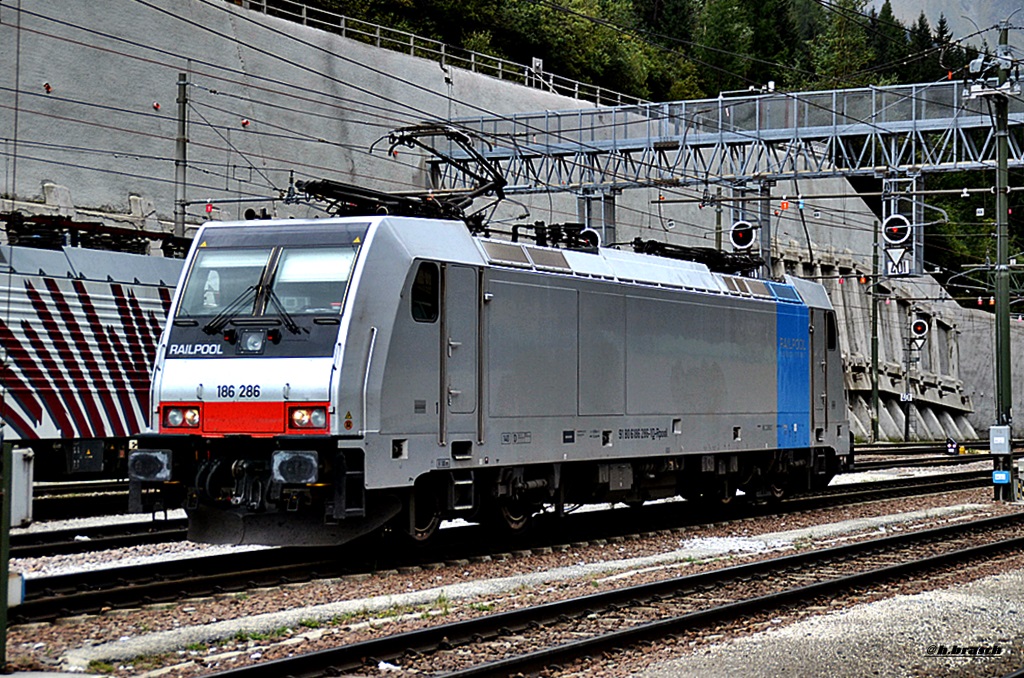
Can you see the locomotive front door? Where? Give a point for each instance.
(459, 335)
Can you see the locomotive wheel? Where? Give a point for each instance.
(511, 517)
(426, 518)
(515, 516)
(424, 529)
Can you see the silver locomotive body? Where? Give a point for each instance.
(320, 379)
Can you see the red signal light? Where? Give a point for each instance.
(895, 229)
(742, 235)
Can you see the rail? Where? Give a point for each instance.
(446, 55)
(534, 639)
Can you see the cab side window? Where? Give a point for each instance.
(426, 290)
(831, 332)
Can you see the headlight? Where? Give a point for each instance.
(181, 417)
(174, 417)
(308, 417)
(318, 418)
(252, 341)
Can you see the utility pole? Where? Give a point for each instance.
(874, 337)
(718, 219)
(1001, 433)
(1004, 391)
(180, 158)
(764, 221)
(1004, 396)
(908, 394)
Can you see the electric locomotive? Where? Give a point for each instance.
(78, 331)
(322, 379)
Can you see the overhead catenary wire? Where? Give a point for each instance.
(144, 3)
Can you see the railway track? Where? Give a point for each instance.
(900, 448)
(919, 462)
(96, 538)
(77, 487)
(47, 598)
(80, 499)
(550, 636)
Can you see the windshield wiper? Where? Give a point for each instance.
(286, 317)
(230, 311)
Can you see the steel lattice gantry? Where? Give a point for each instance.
(905, 129)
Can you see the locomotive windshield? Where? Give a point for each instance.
(313, 280)
(299, 280)
(219, 278)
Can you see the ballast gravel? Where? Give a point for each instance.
(970, 629)
(203, 635)
(689, 550)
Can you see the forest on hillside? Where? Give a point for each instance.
(683, 49)
(664, 50)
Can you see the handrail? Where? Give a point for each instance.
(414, 45)
(363, 430)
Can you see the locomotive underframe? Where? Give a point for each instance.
(228, 489)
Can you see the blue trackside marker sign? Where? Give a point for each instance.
(1000, 477)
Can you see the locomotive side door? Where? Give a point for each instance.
(819, 375)
(459, 342)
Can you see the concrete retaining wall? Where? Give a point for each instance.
(89, 125)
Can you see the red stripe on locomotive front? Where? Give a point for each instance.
(255, 418)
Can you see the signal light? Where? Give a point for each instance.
(742, 235)
(919, 328)
(895, 229)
